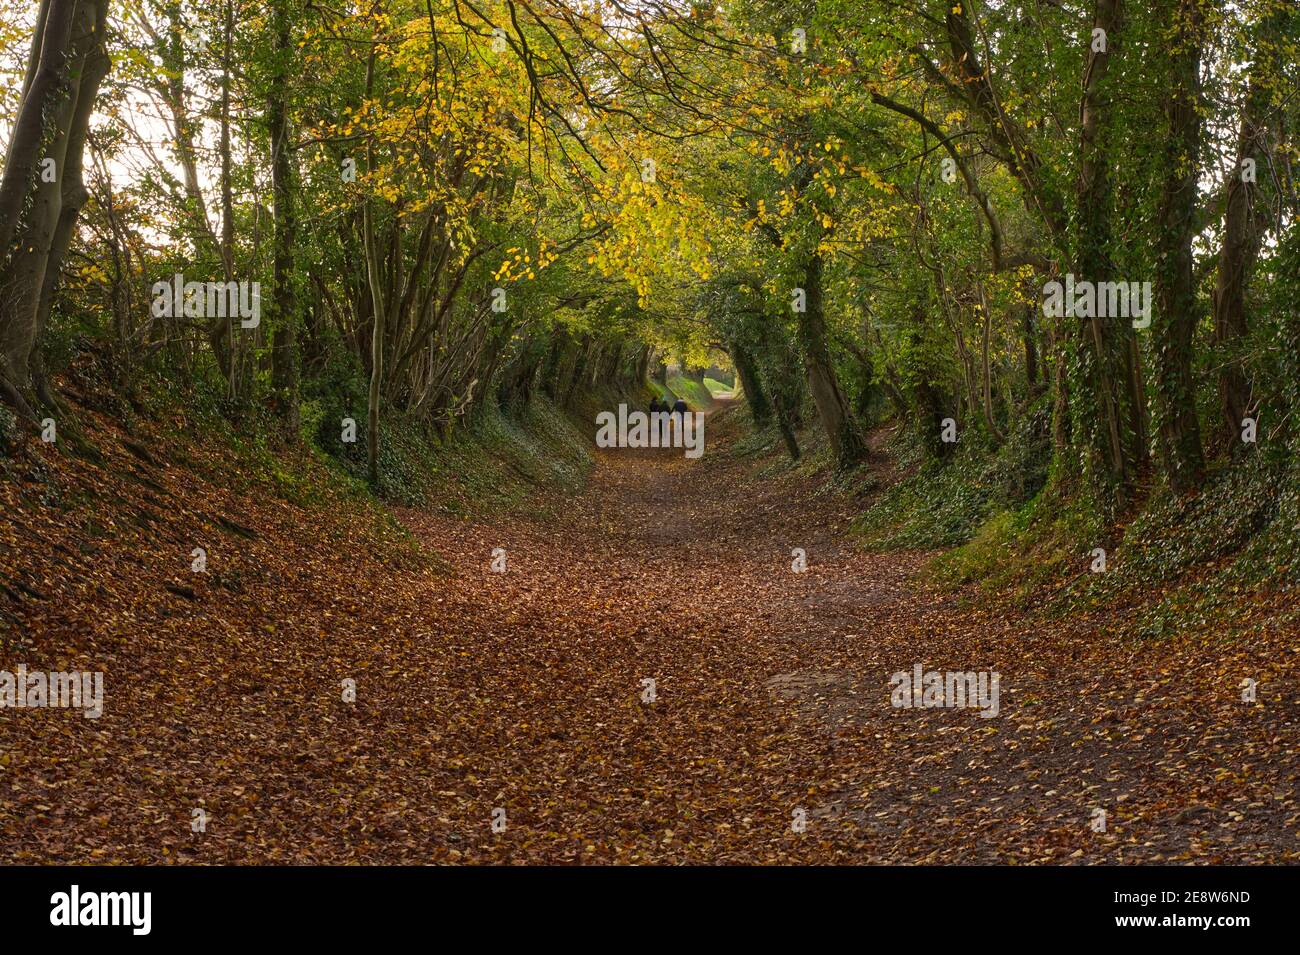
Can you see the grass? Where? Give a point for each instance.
(696, 395)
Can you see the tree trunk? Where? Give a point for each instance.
(1031, 347)
(219, 332)
(836, 416)
(375, 281)
(1062, 426)
(586, 351)
(38, 213)
(1245, 220)
(986, 371)
(376, 347)
(1175, 286)
(73, 192)
(284, 312)
(1096, 398)
(47, 73)
(760, 409)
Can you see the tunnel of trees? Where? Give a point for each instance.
(862, 204)
(311, 311)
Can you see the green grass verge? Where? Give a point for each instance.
(697, 396)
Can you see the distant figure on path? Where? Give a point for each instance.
(659, 419)
(679, 413)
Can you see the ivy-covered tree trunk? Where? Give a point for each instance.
(1099, 355)
(220, 332)
(515, 389)
(1030, 345)
(284, 304)
(1246, 216)
(846, 441)
(586, 352)
(1175, 286)
(760, 409)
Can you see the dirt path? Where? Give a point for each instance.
(772, 695)
(525, 692)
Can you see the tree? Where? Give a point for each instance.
(42, 191)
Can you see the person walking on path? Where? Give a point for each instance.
(658, 420)
(678, 414)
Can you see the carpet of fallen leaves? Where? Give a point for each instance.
(523, 691)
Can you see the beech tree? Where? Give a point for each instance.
(42, 190)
